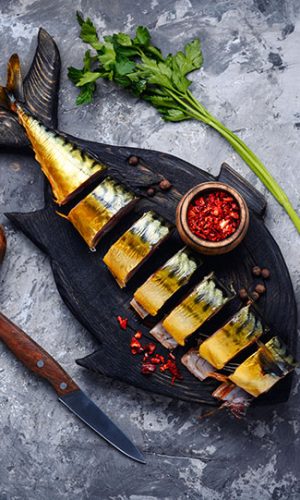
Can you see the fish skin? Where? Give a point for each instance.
(67, 168)
(241, 331)
(204, 301)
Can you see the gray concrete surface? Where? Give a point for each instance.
(251, 81)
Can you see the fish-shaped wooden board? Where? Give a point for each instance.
(90, 290)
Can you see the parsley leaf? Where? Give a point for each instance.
(88, 77)
(124, 66)
(80, 78)
(107, 58)
(86, 94)
(122, 39)
(142, 37)
(75, 74)
(88, 32)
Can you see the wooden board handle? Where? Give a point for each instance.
(35, 357)
(254, 198)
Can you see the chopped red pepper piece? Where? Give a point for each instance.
(136, 346)
(148, 368)
(155, 360)
(122, 322)
(173, 369)
(150, 348)
(150, 362)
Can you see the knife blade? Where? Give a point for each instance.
(36, 359)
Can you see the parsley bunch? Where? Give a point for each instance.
(139, 66)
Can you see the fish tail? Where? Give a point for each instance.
(14, 83)
(38, 91)
(13, 91)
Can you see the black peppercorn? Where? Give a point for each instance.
(254, 296)
(256, 270)
(165, 185)
(260, 288)
(133, 160)
(265, 273)
(243, 294)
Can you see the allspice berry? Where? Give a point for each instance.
(133, 160)
(151, 191)
(265, 273)
(260, 288)
(255, 296)
(243, 294)
(256, 270)
(165, 185)
(2, 244)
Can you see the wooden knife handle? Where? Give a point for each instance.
(34, 357)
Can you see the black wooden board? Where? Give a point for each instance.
(87, 286)
(92, 294)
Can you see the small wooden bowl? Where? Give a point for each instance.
(205, 246)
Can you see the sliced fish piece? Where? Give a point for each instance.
(68, 168)
(101, 210)
(136, 245)
(203, 302)
(241, 331)
(161, 285)
(258, 373)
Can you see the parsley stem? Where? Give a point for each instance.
(259, 169)
(196, 110)
(196, 103)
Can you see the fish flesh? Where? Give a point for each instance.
(136, 245)
(161, 285)
(234, 399)
(241, 331)
(199, 367)
(202, 303)
(228, 391)
(100, 210)
(258, 373)
(164, 337)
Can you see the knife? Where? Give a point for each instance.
(40, 362)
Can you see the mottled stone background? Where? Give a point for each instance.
(251, 81)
